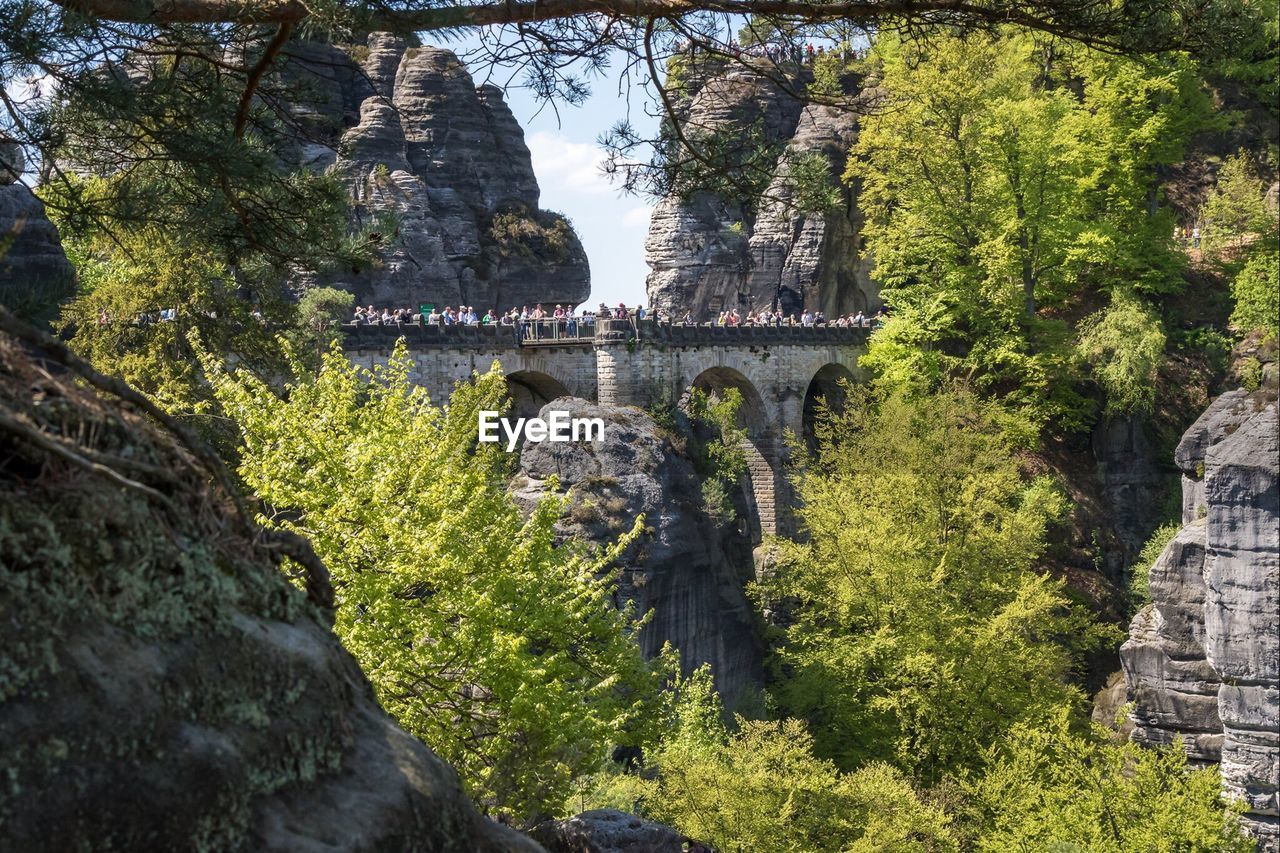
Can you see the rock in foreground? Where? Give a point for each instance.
(162, 686)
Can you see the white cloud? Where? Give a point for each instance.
(561, 164)
(637, 217)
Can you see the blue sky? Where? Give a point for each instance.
(566, 159)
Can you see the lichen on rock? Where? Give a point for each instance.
(163, 686)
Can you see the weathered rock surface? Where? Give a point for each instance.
(1132, 483)
(710, 252)
(1242, 611)
(612, 831)
(1174, 688)
(685, 569)
(444, 166)
(1224, 416)
(1203, 659)
(12, 162)
(34, 272)
(162, 685)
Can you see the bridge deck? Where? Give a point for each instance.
(556, 334)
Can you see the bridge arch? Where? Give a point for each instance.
(761, 482)
(826, 387)
(530, 390)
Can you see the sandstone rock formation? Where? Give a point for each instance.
(684, 568)
(34, 273)
(709, 252)
(612, 831)
(162, 685)
(1242, 612)
(1132, 483)
(439, 170)
(1203, 659)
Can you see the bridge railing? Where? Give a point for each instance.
(418, 334)
(590, 331)
(680, 334)
(553, 331)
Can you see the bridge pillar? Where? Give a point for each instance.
(628, 374)
(764, 479)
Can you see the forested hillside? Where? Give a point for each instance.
(269, 582)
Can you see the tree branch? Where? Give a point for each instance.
(255, 75)
(456, 16)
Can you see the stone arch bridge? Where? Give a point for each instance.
(781, 373)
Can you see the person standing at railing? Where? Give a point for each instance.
(536, 318)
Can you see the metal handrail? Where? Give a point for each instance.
(552, 330)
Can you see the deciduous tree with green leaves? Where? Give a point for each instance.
(1004, 179)
(1125, 345)
(500, 648)
(1053, 788)
(920, 629)
(760, 789)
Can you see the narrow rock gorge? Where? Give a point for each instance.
(1202, 661)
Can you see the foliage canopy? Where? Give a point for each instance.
(498, 647)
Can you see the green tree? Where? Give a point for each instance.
(1004, 180)
(718, 435)
(499, 648)
(1235, 211)
(920, 630)
(760, 789)
(1134, 119)
(1125, 345)
(1256, 289)
(128, 280)
(1245, 234)
(1048, 788)
(320, 310)
(967, 186)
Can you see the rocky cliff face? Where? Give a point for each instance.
(162, 685)
(439, 169)
(1203, 659)
(684, 569)
(34, 273)
(709, 252)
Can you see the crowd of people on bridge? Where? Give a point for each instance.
(806, 318)
(568, 321)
